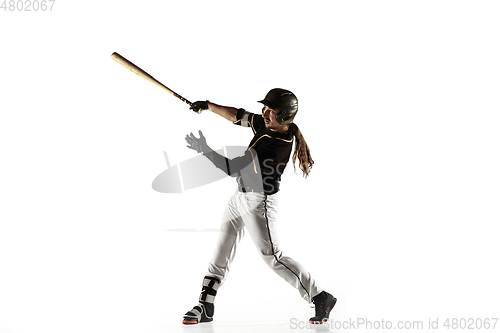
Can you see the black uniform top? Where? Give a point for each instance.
(273, 149)
(263, 163)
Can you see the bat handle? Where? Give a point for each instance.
(182, 98)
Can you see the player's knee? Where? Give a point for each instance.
(270, 256)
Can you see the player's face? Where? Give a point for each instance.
(269, 116)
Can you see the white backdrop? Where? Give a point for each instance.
(398, 103)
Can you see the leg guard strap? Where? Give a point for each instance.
(209, 290)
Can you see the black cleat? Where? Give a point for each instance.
(199, 314)
(324, 303)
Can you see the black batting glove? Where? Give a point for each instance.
(199, 106)
(200, 145)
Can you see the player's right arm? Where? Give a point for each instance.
(231, 167)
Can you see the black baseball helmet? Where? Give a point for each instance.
(282, 100)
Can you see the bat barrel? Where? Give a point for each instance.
(137, 70)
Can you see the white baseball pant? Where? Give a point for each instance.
(258, 213)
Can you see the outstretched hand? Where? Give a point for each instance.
(199, 106)
(198, 144)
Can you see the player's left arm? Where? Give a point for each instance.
(249, 119)
(226, 112)
(236, 116)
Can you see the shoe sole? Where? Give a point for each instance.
(193, 322)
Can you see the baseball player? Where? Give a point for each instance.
(254, 205)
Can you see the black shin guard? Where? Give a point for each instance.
(204, 311)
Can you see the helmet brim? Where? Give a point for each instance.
(269, 104)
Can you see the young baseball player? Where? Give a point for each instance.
(254, 205)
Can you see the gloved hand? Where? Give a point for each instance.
(199, 106)
(200, 145)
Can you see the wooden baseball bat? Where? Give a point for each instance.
(137, 70)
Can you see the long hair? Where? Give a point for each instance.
(301, 152)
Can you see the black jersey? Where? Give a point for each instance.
(273, 150)
(260, 168)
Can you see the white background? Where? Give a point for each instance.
(398, 103)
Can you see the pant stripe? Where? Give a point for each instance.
(272, 246)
